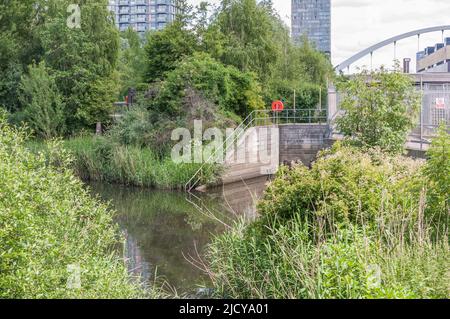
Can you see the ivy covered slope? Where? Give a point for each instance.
(49, 221)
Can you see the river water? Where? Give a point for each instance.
(164, 232)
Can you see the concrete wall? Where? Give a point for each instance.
(302, 142)
(295, 142)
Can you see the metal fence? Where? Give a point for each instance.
(435, 110)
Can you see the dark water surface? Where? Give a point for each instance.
(163, 229)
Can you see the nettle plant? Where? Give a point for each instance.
(380, 108)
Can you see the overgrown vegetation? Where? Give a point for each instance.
(48, 221)
(357, 225)
(82, 62)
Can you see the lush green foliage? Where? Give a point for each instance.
(249, 42)
(132, 62)
(81, 60)
(380, 108)
(344, 185)
(48, 221)
(357, 225)
(166, 48)
(85, 62)
(249, 36)
(230, 89)
(437, 171)
(353, 264)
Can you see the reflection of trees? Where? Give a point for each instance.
(136, 263)
(160, 228)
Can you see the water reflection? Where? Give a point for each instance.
(161, 227)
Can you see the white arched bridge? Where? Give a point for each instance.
(369, 51)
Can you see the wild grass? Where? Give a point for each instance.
(100, 159)
(353, 263)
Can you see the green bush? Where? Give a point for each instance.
(344, 185)
(225, 86)
(48, 221)
(43, 106)
(380, 109)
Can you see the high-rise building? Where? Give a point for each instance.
(143, 15)
(312, 18)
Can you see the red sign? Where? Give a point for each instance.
(440, 103)
(277, 106)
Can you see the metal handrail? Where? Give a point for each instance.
(270, 118)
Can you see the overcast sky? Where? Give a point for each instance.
(358, 24)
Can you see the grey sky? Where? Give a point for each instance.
(357, 24)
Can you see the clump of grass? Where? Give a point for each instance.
(101, 159)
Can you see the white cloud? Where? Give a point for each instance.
(358, 24)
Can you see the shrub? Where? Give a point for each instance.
(225, 86)
(49, 221)
(344, 185)
(380, 108)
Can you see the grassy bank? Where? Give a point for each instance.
(356, 225)
(100, 159)
(50, 224)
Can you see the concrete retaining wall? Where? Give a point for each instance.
(296, 142)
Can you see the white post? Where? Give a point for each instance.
(295, 105)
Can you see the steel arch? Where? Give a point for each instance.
(384, 43)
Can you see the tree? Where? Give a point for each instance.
(131, 64)
(248, 35)
(19, 46)
(252, 37)
(43, 106)
(83, 60)
(380, 109)
(165, 48)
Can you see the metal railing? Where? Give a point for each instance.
(261, 118)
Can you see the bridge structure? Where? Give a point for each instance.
(393, 40)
